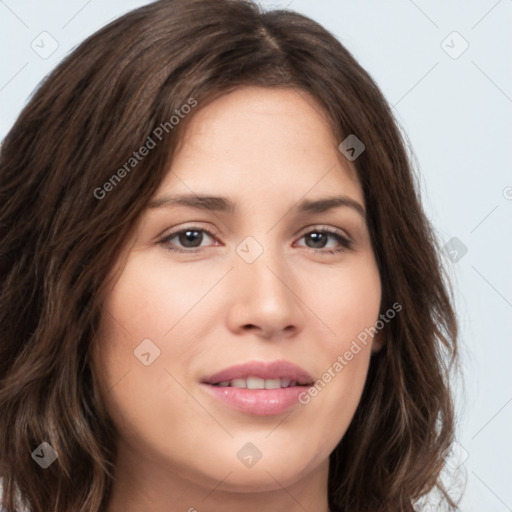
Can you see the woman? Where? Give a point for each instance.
(219, 290)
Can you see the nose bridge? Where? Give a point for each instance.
(264, 282)
(261, 260)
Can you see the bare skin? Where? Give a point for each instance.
(266, 150)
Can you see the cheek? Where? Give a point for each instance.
(138, 300)
(153, 295)
(148, 302)
(136, 310)
(349, 304)
(141, 306)
(347, 300)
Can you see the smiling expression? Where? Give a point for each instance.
(254, 251)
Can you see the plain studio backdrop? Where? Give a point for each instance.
(446, 67)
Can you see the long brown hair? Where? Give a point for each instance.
(64, 220)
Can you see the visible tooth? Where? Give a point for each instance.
(285, 383)
(239, 383)
(272, 383)
(224, 384)
(255, 383)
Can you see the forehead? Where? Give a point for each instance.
(260, 139)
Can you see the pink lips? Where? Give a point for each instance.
(262, 402)
(273, 370)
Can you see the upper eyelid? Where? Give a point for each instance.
(320, 227)
(208, 231)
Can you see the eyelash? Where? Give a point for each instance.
(344, 242)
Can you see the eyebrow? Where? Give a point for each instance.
(226, 205)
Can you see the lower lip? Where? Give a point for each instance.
(260, 402)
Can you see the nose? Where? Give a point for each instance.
(264, 298)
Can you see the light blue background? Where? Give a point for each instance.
(457, 114)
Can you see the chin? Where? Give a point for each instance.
(277, 466)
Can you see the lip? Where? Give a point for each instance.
(270, 370)
(259, 402)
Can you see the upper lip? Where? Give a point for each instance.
(263, 370)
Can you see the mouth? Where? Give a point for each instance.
(261, 375)
(259, 388)
(253, 382)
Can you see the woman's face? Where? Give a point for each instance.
(256, 295)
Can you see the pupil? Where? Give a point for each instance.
(318, 239)
(188, 236)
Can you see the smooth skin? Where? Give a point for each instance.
(266, 150)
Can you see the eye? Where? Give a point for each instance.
(190, 239)
(319, 239)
